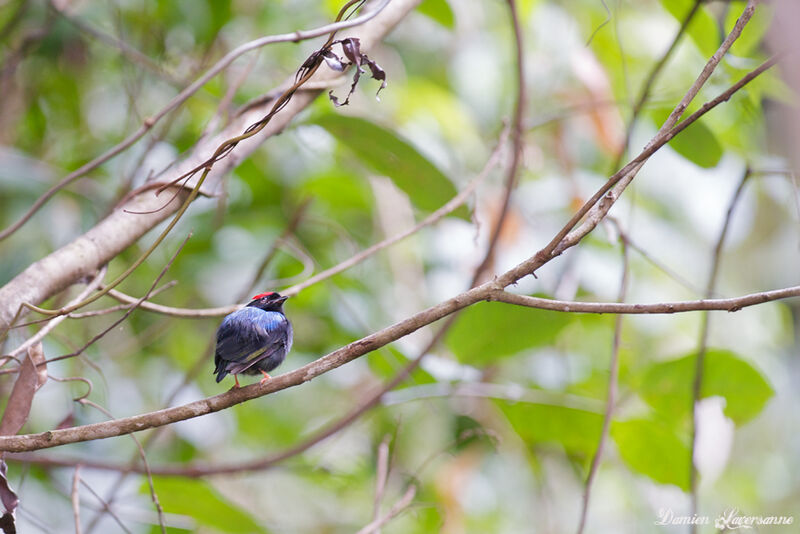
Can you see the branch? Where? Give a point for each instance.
(507, 392)
(729, 304)
(485, 390)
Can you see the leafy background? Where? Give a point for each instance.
(514, 460)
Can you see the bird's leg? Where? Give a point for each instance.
(266, 377)
(236, 377)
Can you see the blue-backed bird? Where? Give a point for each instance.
(254, 339)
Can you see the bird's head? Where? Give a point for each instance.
(269, 301)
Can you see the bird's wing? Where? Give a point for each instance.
(247, 337)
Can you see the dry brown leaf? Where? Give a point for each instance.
(32, 375)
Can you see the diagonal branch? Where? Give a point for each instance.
(644, 94)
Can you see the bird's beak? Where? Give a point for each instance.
(283, 299)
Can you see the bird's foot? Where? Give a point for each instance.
(266, 377)
(237, 385)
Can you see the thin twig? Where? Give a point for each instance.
(613, 377)
(399, 506)
(106, 508)
(517, 141)
(509, 392)
(658, 264)
(131, 308)
(594, 210)
(381, 476)
(46, 329)
(644, 94)
(127, 50)
(145, 464)
(290, 228)
(727, 304)
(75, 498)
(120, 307)
(104, 311)
(702, 343)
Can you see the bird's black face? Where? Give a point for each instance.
(269, 301)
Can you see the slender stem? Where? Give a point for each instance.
(613, 377)
(702, 343)
(517, 140)
(644, 94)
(75, 498)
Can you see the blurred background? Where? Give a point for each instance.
(498, 428)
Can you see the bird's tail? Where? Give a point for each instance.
(221, 372)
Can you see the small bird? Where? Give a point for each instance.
(253, 339)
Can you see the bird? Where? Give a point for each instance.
(253, 339)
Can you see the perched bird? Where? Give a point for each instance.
(254, 339)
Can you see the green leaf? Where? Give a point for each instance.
(578, 431)
(388, 154)
(438, 10)
(653, 449)
(199, 500)
(386, 363)
(702, 30)
(697, 142)
(487, 331)
(667, 386)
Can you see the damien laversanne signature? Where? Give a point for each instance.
(728, 520)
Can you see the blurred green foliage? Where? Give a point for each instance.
(480, 464)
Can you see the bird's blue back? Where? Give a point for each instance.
(249, 331)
